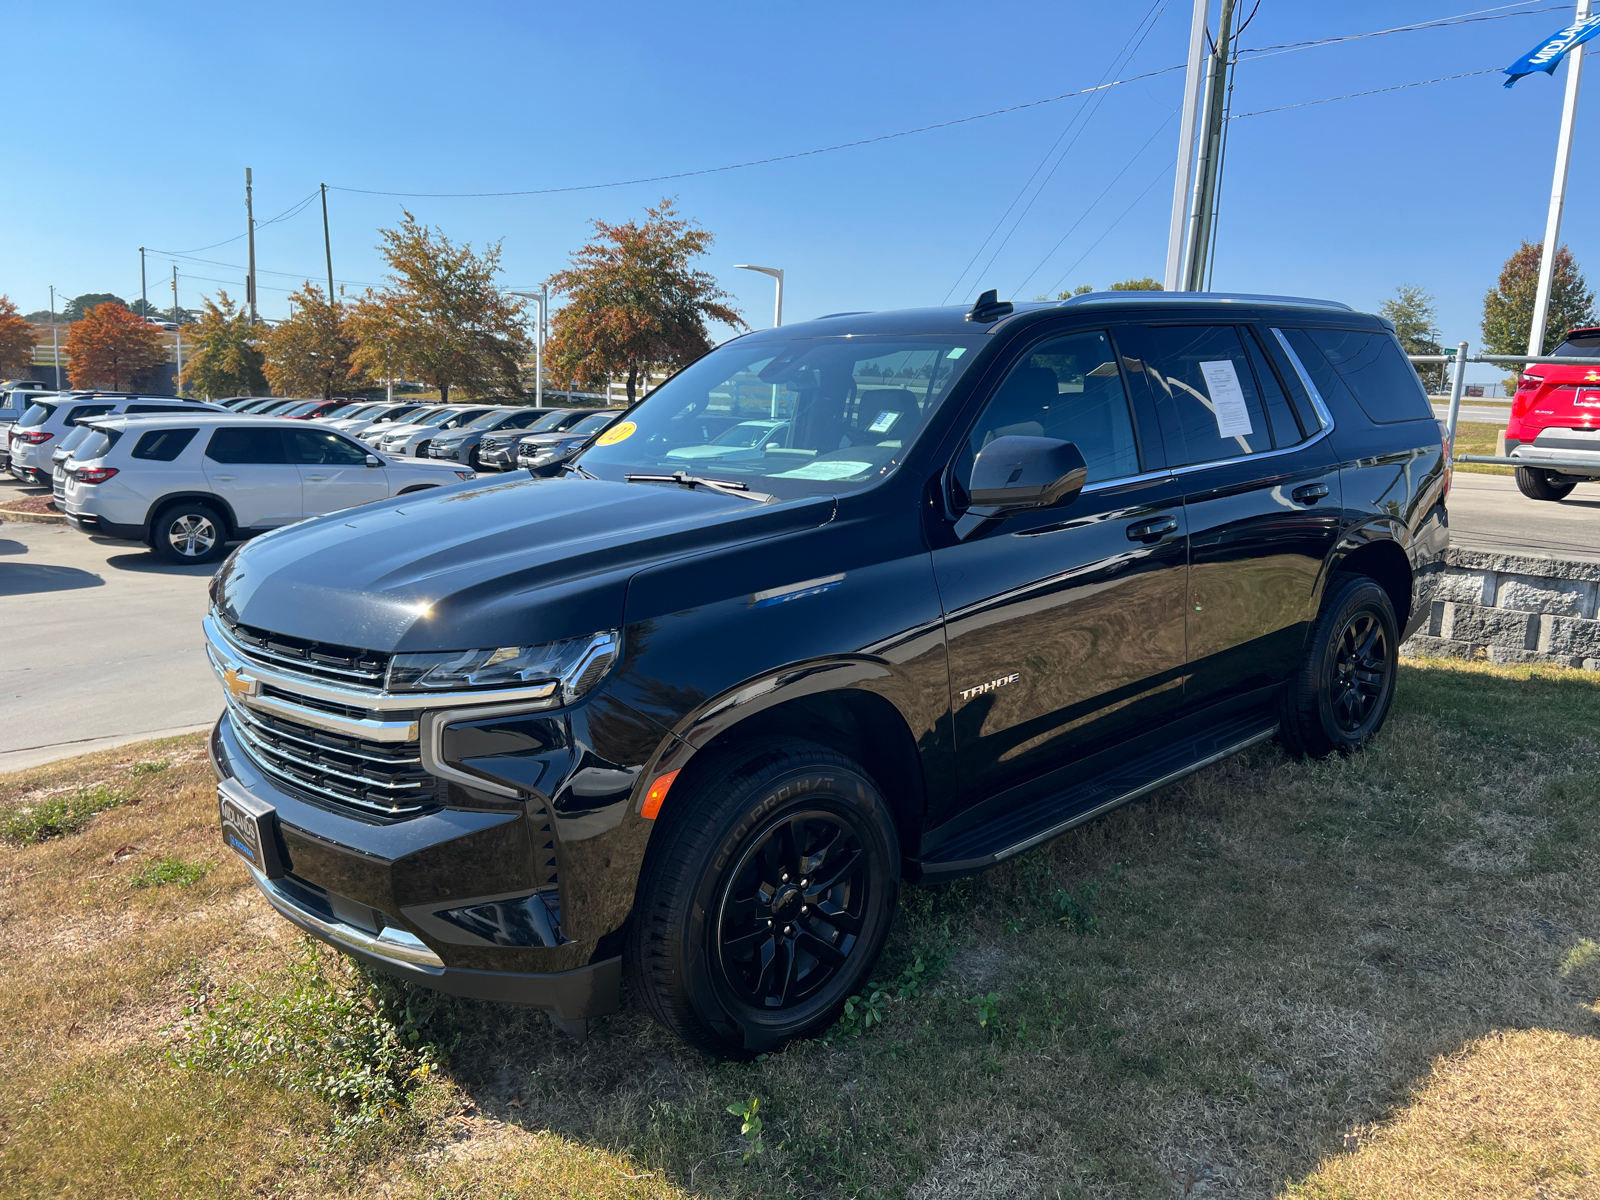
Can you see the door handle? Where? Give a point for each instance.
(316, 478)
(1152, 531)
(1309, 493)
(225, 478)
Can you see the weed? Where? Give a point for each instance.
(988, 1009)
(749, 1112)
(871, 1006)
(150, 768)
(1075, 908)
(57, 816)
(171, 870)
(862, 1012)
(362, 1043)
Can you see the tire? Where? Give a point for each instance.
(721, 872)
(1541, 485)
(1340, 695)
(189, 532)
(474, 463)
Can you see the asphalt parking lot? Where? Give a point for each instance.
(102, 639)
(102, 644)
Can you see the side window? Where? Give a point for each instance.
(155, 408)
(1287, 427)
(1375, 369)
(1282, 355)
(247, 446)
(1210, 406)
(311, 447)
(1069, 388)
(163, 445)
(87, 410)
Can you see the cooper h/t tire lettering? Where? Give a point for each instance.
(766, 897)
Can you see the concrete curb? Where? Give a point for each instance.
(11, 514)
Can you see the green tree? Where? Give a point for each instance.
(635, 302)
(1145, 283)
(1411, 313)
(222, 353)
(440, 317)
(1508, 306)
(1083, 289)
(78, 307)
(311, 352)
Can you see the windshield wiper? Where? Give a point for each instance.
(728, 487)
(579, 469)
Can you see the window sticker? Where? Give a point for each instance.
(957, 352)
(831, 469)
(1227, 399)
(884, 423)
(619, 433)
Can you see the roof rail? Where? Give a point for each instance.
(1203, 298)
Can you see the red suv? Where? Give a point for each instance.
(1556, 414)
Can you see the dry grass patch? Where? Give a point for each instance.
(1278, 971)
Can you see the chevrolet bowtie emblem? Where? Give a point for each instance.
(240, 685)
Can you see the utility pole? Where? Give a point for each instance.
(144, 293)
(1208, 181)
(250, 221)
(55, 343)
(327, 243)
(1558, 195)
(177, 379)
(538, 347)
(1183, 184)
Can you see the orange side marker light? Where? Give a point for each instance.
(656, 794)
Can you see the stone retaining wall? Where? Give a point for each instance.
(1510, 608)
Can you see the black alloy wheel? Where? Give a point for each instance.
(1363, 662)
(792, 910)
(1543, 485)
(189, 532)
(765, 898)
(1341, 693)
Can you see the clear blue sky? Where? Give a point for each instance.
(154, 112)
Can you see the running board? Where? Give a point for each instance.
(1037, 822)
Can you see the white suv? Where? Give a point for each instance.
(49, 419)
(415, 439)
(186, 486)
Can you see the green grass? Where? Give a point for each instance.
(1370, 976)
(1480, 438)
(174, 871)
(57, 815)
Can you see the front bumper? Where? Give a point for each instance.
(356, 884)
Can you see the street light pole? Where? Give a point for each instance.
(177, 381)
(55, 342)
(542, 299)
(1558, 195)
(776, 273)
(144, 292)
(250, 223)
(1183, 184)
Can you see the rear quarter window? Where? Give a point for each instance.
(163, 445)
(98, 444)
(1375, 370)
(37, 414)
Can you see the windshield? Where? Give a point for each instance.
(831, 414)
(37, 414)
(394, 414)
(593, 424)
(365, 410)
(294, 410)
(548, 423)
(488, 420)
(1579, 344)
(438, 418)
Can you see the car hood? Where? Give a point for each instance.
(503, 564)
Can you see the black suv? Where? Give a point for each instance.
(695, 714)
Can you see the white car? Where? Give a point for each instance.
(396, 416)
(186, 486)
(747, 439)
(48, 420)
(415, 439)
(354, 420)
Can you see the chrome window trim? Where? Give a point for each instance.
(370, 698)
(1305, 378)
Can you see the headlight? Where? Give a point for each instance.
(576, 665)
(545, 456)
(466, 474)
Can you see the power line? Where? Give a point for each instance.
(293, 210)
(1137, 154)
(1160, 175)
(1469, 18)
(1023, 190)
(1375, 91)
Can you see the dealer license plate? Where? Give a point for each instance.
(250, 829)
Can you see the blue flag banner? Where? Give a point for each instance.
(1548, 54)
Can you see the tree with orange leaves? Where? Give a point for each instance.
(111, 348)
(16, 339)
(635, 302)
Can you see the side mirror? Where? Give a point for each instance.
(374, 461)
(1015, 473)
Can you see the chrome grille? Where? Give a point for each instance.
(315, 660)
(384, 779)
